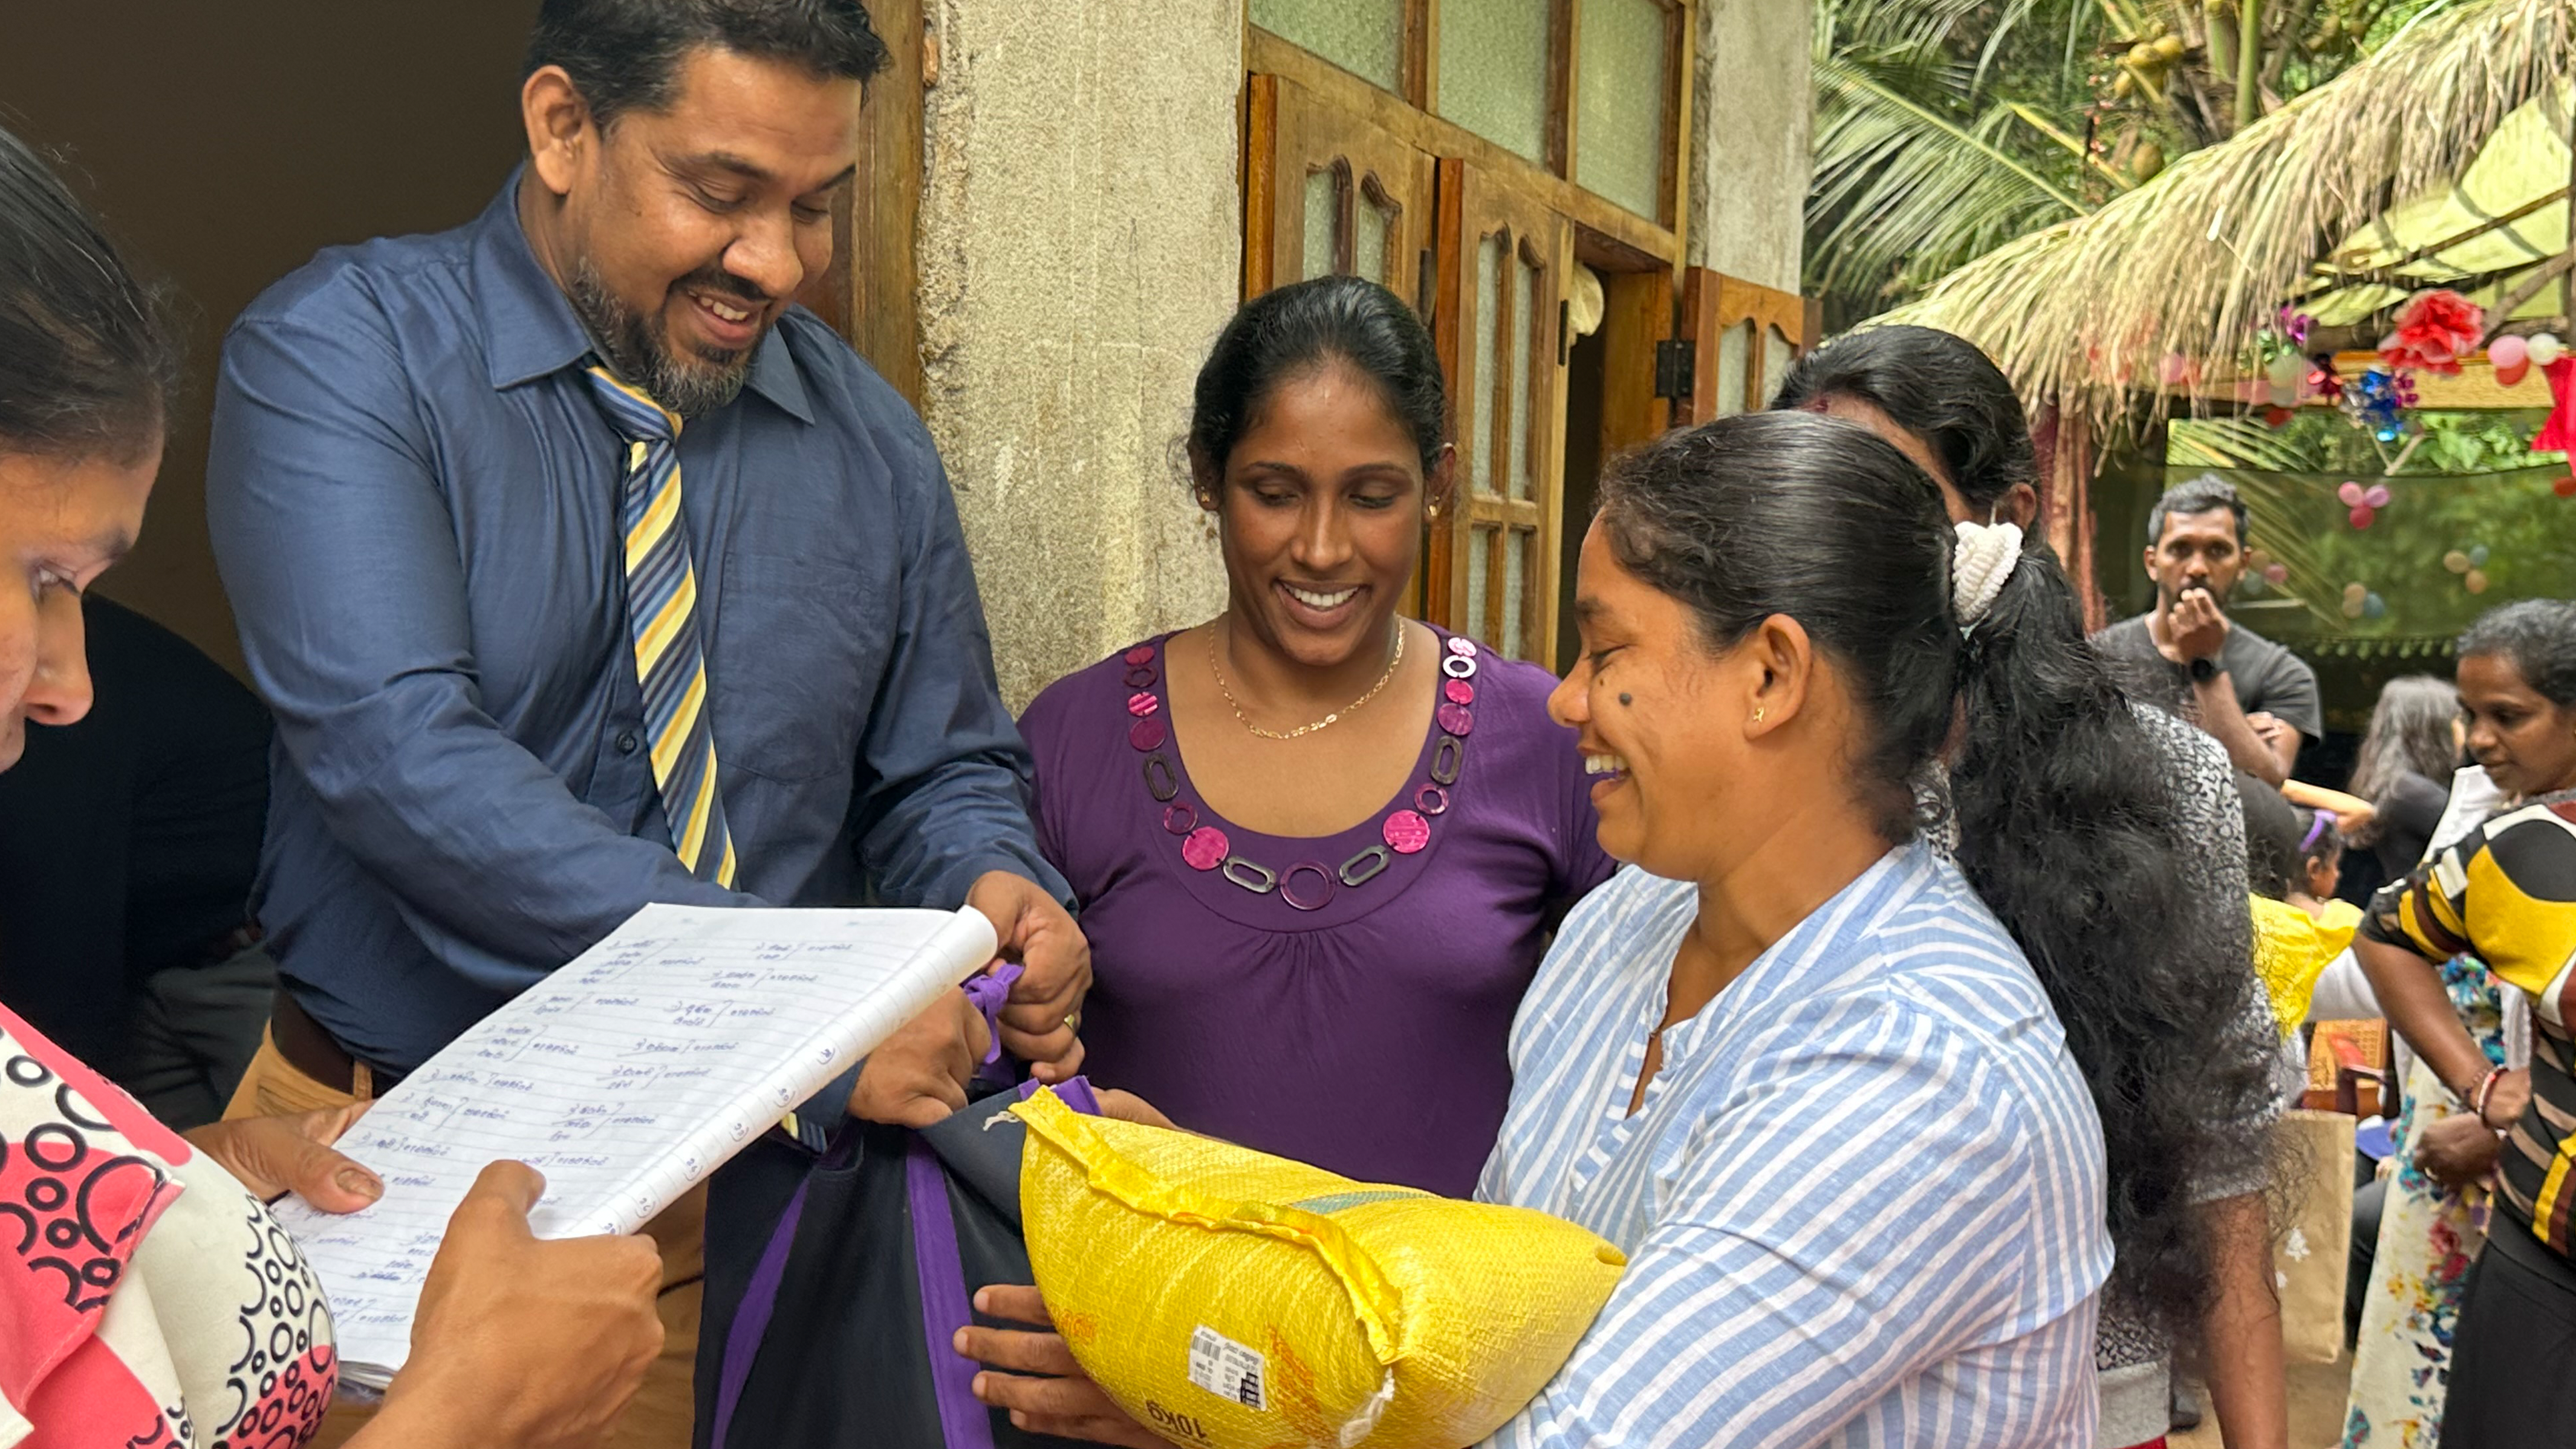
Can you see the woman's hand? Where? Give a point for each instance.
(273, 1156)
(529, 1343)
(1040, 1025)
(2457, 1150)
(1128, 1107)
(2507, 1099)
(1065, 1402)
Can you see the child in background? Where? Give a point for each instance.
(2319, 872)
(2291, 863)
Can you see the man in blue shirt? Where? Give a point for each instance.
(554, 530)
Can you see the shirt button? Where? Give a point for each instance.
(627, 743)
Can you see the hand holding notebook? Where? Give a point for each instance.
(626, 1078)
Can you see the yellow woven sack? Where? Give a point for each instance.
(2291, 950)
(1233, 1300)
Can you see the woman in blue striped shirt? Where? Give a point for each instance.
(1795, 1063)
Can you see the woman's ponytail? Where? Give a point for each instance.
(2076, 827)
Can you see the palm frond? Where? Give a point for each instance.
(2009, 19)
(1903, 190)
(2191, 263)
(2032, 118)
(1890, 26)
(2234, 442)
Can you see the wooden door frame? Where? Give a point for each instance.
(1642, 241)
(1443, 579)
(1714, 304)
(871, 293)
(1283, 120)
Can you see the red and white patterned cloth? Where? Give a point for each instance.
(146, 1300)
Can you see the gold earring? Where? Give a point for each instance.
(1758, 712)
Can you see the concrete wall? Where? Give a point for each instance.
(1754, 112)
(1081, 243)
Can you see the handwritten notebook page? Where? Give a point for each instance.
(625, 1077)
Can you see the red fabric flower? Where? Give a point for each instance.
(2434, 332)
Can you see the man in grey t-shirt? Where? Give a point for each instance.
(2253, 696)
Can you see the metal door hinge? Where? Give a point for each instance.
(1676, 369)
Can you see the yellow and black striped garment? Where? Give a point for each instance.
(2506, 894)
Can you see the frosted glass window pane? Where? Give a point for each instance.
(1323, 210)
(1479, 576)
(1734, 357)
(1493, 71)
(1776, 358)
(1524, 331)
(1488, 354)
(1515, 585)
(1364, 37)
(1376, 233)
(1619, 103)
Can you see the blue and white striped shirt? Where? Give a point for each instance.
(1862, 1201)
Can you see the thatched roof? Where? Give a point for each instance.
(2195, 260)
(2498, 233)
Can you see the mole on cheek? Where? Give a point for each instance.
(1627, 699)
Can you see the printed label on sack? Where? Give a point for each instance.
(1220, 1365)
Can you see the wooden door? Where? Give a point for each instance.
(1503, 260)
(1743, 338)
(1328, 193)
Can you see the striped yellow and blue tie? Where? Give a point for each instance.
(662, 619)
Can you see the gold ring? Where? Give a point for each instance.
(1073, 1023)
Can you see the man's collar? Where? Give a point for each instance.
(530, 329)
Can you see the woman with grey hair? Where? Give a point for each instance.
(2404, 771)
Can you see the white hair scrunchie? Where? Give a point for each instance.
(1980, 562)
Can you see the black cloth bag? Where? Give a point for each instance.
(834, 1286)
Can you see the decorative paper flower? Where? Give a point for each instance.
(2434, 332)
(2365, 503)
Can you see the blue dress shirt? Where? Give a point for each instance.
(413, 498)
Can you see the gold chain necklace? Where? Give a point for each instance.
(1304, 729)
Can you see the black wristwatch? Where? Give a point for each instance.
(2203, 670)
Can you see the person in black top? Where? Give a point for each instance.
(125, 874)
(2255, 697)
(2406, 762)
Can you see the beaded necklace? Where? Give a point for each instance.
(1306, 885)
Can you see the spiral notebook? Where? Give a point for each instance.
(625, 1077)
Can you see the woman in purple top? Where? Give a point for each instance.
(1318, 846)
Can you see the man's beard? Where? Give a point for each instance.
(637, 347)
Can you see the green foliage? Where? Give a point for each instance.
(2472, 483)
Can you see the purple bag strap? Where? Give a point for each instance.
(964, 1422)
(760, 1296)
(989, 992)
(945, 1306)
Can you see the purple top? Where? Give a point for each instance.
(1344, 1000)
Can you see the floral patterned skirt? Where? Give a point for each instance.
(2428, 1237)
